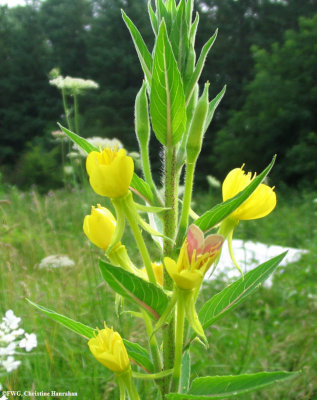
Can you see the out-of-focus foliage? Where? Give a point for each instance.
(87, 38)
(27, 103)
(279, 114)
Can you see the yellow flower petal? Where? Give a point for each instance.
(258, 205)
(110, 172)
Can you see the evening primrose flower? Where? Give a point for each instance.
(110, 172)
(108, 348)
(99, 226)
(261, 202)
(196, 256)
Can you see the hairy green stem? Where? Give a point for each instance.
(170, 224)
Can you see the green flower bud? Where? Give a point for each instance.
(196, 130)
(142, 123)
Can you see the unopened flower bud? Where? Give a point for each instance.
(196, 130)
(99, 226)
(108, 348)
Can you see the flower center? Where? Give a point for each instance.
(108, 155)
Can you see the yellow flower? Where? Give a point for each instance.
(110, 172)
(196, 256)
(108, 348)
(261, 202)
(99, 226)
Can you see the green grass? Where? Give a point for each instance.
(275, 329)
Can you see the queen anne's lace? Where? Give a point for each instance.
(12, 338)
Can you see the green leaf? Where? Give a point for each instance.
(81, 142)
(162, 13)
(77, 327)
(141, 49)
(139, 355)
(185, 372)
(141, 187)
(153, 18)
(212, 107)
(220, 387)
(189, 11)
(235, 293)
(171, 7)
(189, 87)
(168, 112)
(212, 217)
(143, 293)
(136, 352)
(193, 30)
(179, 39)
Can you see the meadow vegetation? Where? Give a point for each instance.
(274, 329)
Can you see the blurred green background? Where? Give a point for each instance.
(265, 52)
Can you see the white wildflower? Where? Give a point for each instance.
(58, 82)
(11, 320)
(10, 364)
(56, 261)
(4, 397)
(74, 85)
(29, 342)
(79, 84)
(9, 350)
(9, 340)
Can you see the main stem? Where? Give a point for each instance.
(170, 224)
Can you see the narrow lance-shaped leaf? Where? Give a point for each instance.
(189, 11)
(135, 351)
(212, 217)
(81, 142)
(222, 387)
(193, 30)
(179, 36)
(199, 67)
(153, 18)
(238, 291)
(162, 13)
(143, 293)
(168, 112)
(141, 49)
